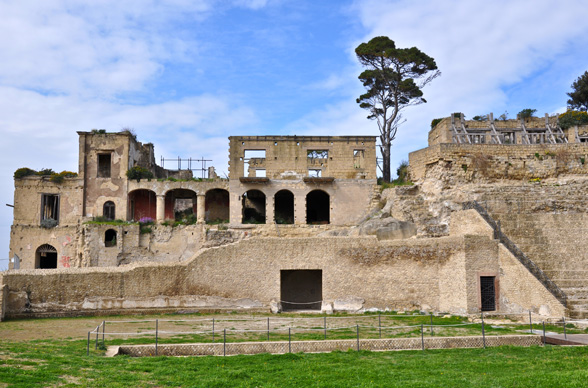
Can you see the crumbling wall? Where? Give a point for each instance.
(286, 157)
(489, 162)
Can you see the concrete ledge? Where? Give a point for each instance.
(282, 347)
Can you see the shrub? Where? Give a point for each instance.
(572, 118)
(527, 113)
(24, 171)
(435, 122)
(138, 173)
(59, 178)
(480, 118)
(45, 171)
(146, 221)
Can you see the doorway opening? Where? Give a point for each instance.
(301, 289)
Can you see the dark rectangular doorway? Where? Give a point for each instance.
(488, 293)
(301, 289)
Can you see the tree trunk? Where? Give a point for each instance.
(385, 150)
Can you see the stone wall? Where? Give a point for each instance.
(480, 162)
(286, 157)
(437, 274)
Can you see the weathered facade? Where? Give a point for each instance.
(300, 223)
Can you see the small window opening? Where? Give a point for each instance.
(46, 257)
(49, 210)
(104, 163)
(301, 289)
(108, 210)
(260, 173)
(110, 238)
(488, 293)
(315, 173)
(275, 143)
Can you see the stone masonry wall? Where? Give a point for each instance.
(469, 162)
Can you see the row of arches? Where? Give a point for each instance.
(254, 207)
(182, 203)
(178, 204)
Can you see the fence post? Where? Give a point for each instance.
(289, 341)
(380, 324)
(224, 342)
(268, 328)
(88, 350)
(483, 333)
(564, 325)
(325, 324)
(212, 330)
(156, 334)
(103, 330)
(543, 333)
(530, 322)
(97, 332)
(357, 330)
(422, 337)
(432, 323)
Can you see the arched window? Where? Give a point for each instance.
(284, 207)
(253, 204)
(110, 238)
(317, 207)
(108, 210)
(46, 257)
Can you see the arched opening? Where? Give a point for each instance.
(216, 206)
(142, 204)
(110, 238)
(253, 207)
(180, 204)
(46, 257)
(284, 207)
(317, 207)
(108, 210)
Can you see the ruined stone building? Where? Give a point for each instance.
(495, 221)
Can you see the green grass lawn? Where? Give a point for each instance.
(64, 363)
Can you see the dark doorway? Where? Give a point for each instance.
(142, 205)
(488, 293)
(217, 206)
(301, 289)
(284, 207)
(317, 207)
(46, 257)
(110, 238)
(253, 207)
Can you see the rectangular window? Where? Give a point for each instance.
(488, 293)
(49, 210)
(317, 154)
(260, 173)
(316, 173)
(104, 162)
(358, 158)
(251, 159)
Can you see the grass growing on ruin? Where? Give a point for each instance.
(64, 363)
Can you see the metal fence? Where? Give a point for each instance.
(220, 336)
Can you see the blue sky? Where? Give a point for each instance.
(186, 74)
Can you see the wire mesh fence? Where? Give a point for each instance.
(244, 335)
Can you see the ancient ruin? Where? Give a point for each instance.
(495, 220)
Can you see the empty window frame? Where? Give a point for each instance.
(49, 210)
(317, 154)
(358, 158)
(260, 173)
(315, 173)
(108, 210)
(487, 293)
(104, 163)
(251, 159)
(110, 238)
